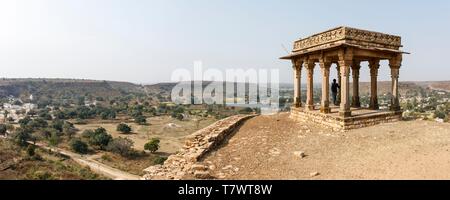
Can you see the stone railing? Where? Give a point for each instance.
(196, 147)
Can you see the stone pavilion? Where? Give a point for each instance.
(347, 48)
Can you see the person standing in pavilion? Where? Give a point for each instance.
(334, 91)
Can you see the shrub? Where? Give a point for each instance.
(159, 160)
(440, 112)
(100, 138)
(106, 157)
(246, 110)
(3, 129)
(124, 128)
(69, 129)
(122, 146)
(57, 124)
(54, 139)
(79, 146)
(178, 116)
(31, 150)
(21, 136)
(42, 175)
(87, 133)
(152, 145)
(140, 119)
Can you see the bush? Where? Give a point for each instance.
(159, 160)
(87, 133)
(246, 110)
(3, 129)
(31, 150)
(178, 116)
(100, 138)
(69, 129)
(42, 175)
(122, 146)
(79, 146)
(21, 136)
(140, 119)
(57, 124)
(440, 112)
(152, 145)
(124, 128)
(54, 139)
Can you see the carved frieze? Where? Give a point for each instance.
(351, 36)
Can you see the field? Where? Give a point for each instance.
(170, 131)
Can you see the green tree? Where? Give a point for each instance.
(57, 124)
(21, 136)
(124, 128)
(37, 123)
(100, 138)
(24, 121)
(79, 146)
(152, 145)
(69, 129)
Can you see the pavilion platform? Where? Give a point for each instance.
(360, 117)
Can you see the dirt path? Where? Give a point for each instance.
(94, 165)
(268, 147)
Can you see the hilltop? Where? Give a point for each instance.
(276, 147)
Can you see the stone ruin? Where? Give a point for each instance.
(197, 145)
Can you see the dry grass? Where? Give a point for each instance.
(16, 165)
(172, 137)
(133, 164)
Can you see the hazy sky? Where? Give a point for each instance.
(144, 41)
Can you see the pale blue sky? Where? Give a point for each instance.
(144, 41)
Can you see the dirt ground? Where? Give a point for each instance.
(268, 147)
(170, 131)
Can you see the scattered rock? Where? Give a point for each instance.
(227, 167)
(299, 154)
(198, 167)
(313, 174)
(274, 152)
(221, 175)
(202, 175)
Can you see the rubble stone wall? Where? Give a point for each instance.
(196, 147)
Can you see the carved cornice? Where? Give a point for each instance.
(347, 35)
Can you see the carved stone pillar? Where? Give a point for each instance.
(345, 61)
(325, 69)
(374, 65)
(355, 74)
(310, 87)
(338, 96)
(395, 64)
(297, 66)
